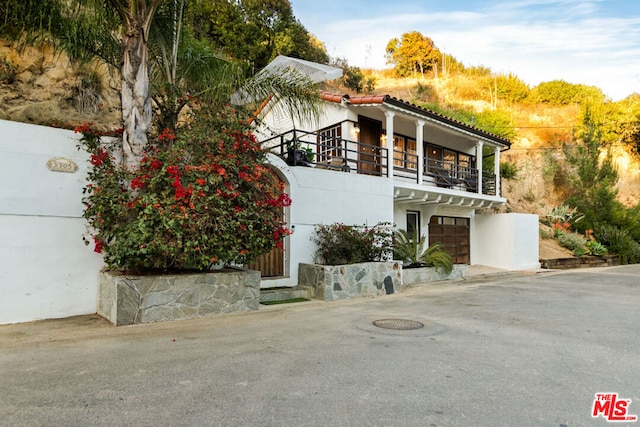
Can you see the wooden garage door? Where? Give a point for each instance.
(453, 233)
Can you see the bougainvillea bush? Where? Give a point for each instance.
(201, 197)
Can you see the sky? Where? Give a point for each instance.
(592, 42)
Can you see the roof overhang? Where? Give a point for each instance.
(404, 108)
(315, 72)
(418, 195)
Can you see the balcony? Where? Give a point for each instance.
(332, 152)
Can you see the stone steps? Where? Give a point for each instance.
(285, 293)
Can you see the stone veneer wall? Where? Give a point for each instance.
(336, 282)
(582, 262)
(414, 276)
(127, 299)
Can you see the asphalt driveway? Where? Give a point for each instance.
(516, 350)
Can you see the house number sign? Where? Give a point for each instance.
(60, 164)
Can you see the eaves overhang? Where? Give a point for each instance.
(404, 107)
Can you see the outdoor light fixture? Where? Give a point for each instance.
(356, 127)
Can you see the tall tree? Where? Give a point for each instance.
(412, 53)
(593, 184)
(255, 30)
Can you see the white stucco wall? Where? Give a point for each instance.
(325, 197)
(45, 269)
(508, 241)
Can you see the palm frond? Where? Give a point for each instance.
(411, 249)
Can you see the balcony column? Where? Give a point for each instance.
(420, 148)
(496, 158)
(479, 145)
(389, 141)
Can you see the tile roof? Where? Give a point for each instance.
(381, 99)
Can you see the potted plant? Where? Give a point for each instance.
(298, 156)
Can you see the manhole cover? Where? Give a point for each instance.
(398, 324)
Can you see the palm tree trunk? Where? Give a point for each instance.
(136, 86)
(136, 97)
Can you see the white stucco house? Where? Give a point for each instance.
(374, 159)
(380, 159)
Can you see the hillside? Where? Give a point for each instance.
(541, 130)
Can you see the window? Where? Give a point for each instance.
(449, 161)
(434, 156)
(398, 151)
(405, 154)
(413, 223)
(329, 143)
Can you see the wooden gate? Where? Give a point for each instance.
(270, 264)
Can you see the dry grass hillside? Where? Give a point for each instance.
(541, 130)
(40, 86)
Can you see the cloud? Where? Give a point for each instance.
(536, 40)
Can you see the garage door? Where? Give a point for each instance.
(453, 233)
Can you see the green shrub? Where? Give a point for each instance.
(529, 196)
(508, 170)
(413, 250)
(7, 70)
(563, 214)
(349, 244)
(619, 242)
(596, 248)
(574, 242)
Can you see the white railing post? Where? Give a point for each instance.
(497, 169)
(389, 141)
(479, 164)
(420, 148)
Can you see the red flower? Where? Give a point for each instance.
(99, 158)
(172, 171)
(155, 164)
(136, 183)
(98, 245)
(166, 135)
(201, 181)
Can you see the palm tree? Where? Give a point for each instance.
(146, 40)
(413, 250)
(186, 68)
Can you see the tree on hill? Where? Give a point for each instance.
(353, 77)
(412, 53)
(510, 88)
(592, 186)
(560, 92)
(255, 30)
